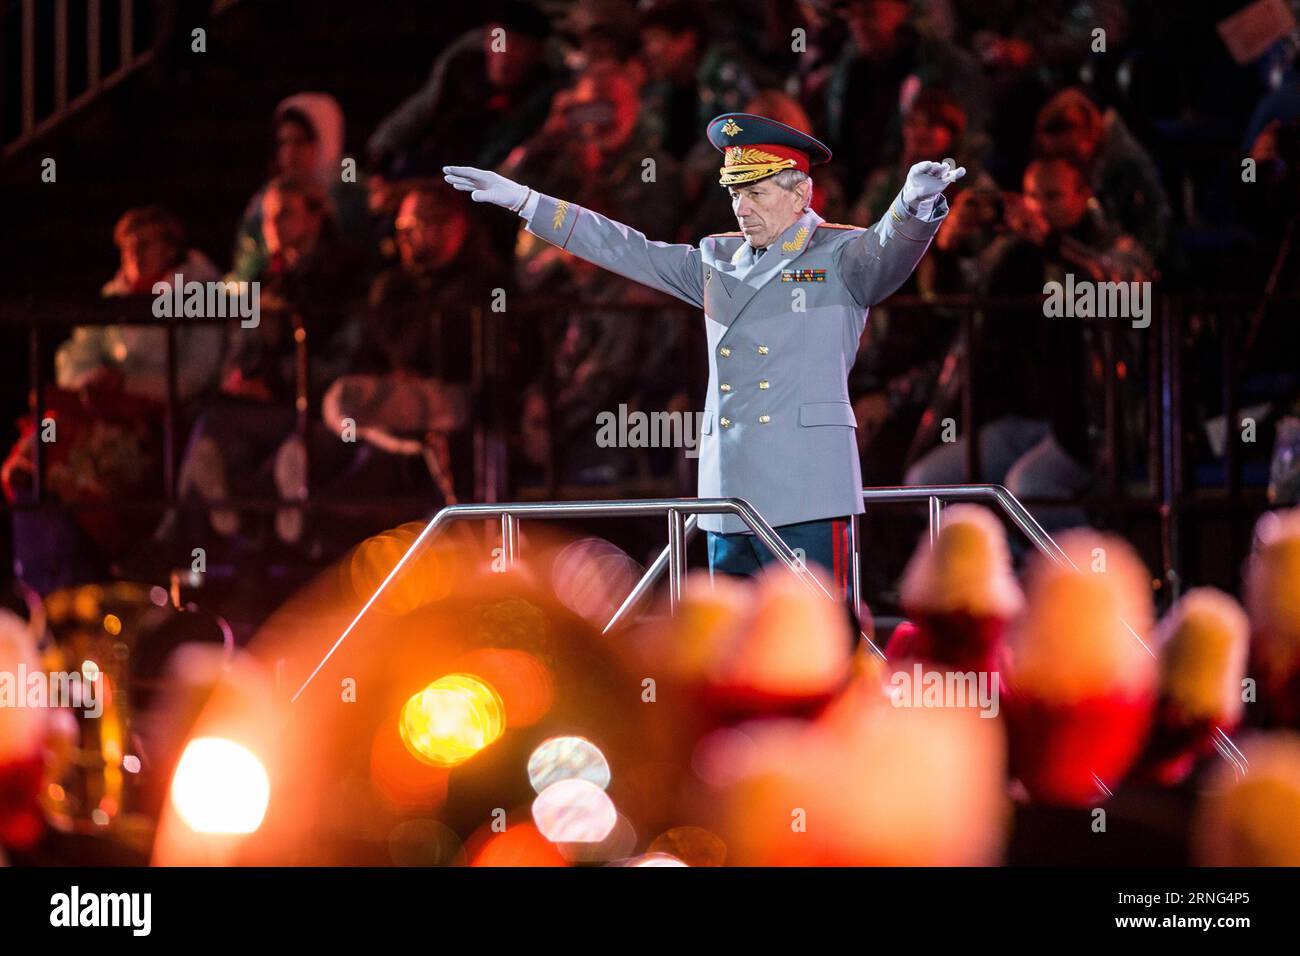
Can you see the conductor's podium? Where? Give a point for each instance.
(682, 515)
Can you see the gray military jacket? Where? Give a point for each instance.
(778, 428)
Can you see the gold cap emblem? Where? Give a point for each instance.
(730, 127)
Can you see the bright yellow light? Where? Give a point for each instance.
(220, 787)
(452, 719)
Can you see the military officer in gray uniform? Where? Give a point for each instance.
(785, 301)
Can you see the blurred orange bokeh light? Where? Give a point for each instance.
(452, 719)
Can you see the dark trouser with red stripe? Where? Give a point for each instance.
(824, 543)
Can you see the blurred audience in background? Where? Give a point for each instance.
(1039, 432)
(406, 392)
(488, 90)
(309, 284)
(152, 244)
(1119, 171)
(103, 416)
(308, 139)
(1053, 107)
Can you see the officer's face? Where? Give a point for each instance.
(764, 210)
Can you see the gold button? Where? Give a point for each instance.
(764, 384)
(726, 422)
(724, 351)
(764, 419)
(725, 387)
(762, 350)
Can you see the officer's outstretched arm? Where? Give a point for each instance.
(876, 262)
(671, 268)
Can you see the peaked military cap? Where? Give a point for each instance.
(755, 147)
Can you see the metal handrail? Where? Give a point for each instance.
(1011, 506)
(936, 495)
(1165, 465)
(933, 495)
(674, 508)
(682, 516)
(650, 578)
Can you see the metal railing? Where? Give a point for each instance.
(682, 515)
(1170, 497)
(665, 560)
(934, 495)
(135, 311)
(52, 37)
(99, 75)
(680, 512)
(40, 316)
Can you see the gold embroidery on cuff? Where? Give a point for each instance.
(561, 210)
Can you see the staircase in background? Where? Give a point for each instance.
(191, 131)
(67, 54)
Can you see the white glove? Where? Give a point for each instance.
(926, 182)
(486, 186)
